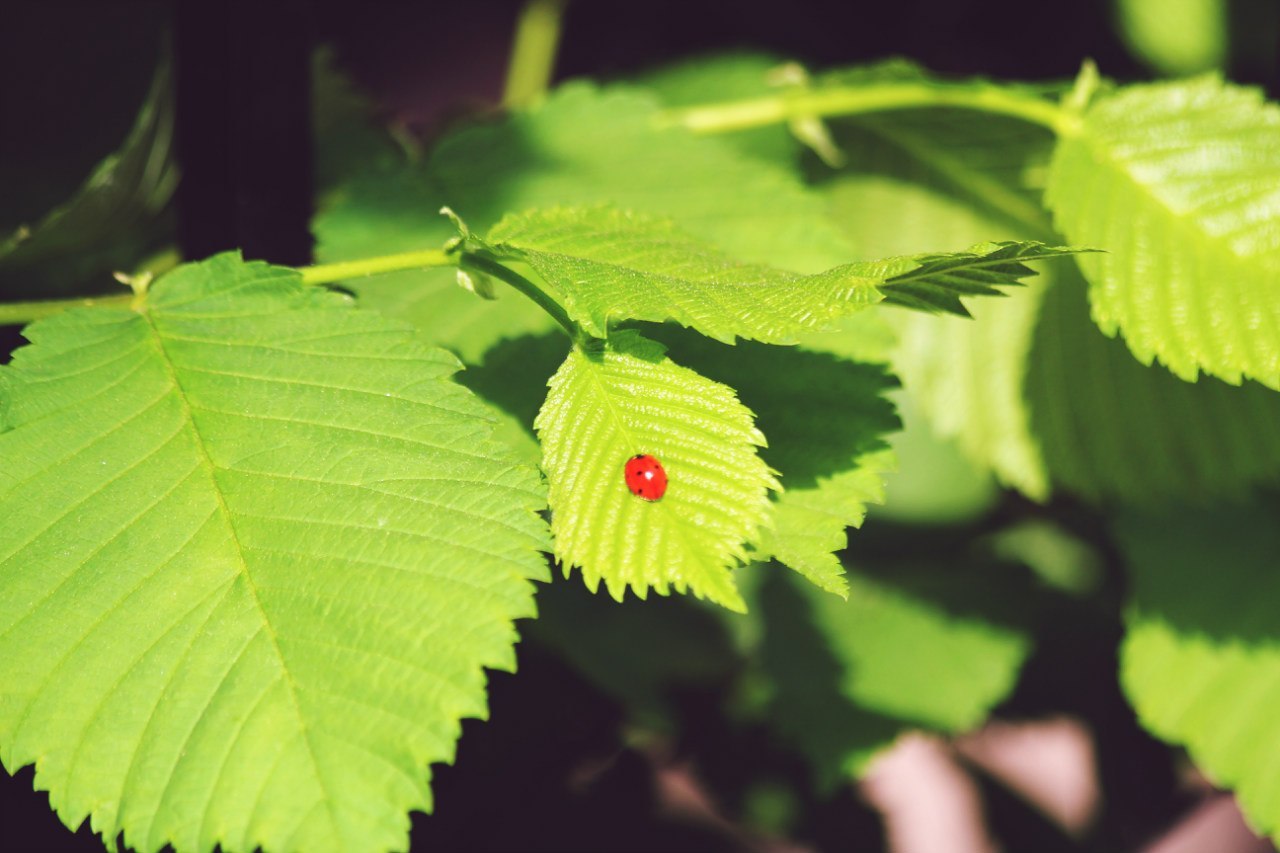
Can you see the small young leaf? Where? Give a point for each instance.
(1180, 184)
(940, 280)
(625, 399)
(257, 548)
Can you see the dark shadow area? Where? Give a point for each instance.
(685, 646)
(28, 823)
(552, 763)
(513, 375)
(808, 706)
(814, 408)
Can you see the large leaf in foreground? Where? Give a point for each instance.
(606, 265)
(1200, 656)
(1180, 184)
(627, 398)
(256, 551)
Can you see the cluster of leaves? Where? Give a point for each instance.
(242, 513)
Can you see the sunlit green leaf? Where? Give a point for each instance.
(1180, 184)
(257, 550)
(1199, 657)
(919, 645)
(627, 398)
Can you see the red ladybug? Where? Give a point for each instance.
(646, 478)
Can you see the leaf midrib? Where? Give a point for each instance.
(206, 462)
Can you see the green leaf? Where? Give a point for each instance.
(1178, 38)
(397, 210)
(916, 645)
(827, 419)
(257, 550)
(589, 145)
(110, 222)
(583, 145)
(1178, 182)
(727, 77)
(1199, 657)
(1112, 430)
(934, 483)
(627, 398)
(607, 265)
(1032, 390)
(940, 280)
(970, 378)
(950, 178)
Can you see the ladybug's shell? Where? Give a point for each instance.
(646, 478)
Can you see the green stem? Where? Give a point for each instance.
(489, 266)
(787, 106)
(343, 270)
(533, 58)
(21, 313)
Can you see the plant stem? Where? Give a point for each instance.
(786, 106)
(21, 313)
(533, 57)
(330, 273)
(489, 266)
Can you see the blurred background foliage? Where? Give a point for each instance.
(1017, 539)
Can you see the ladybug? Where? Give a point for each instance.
(645, 477)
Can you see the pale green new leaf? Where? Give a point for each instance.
(626, 398)
(257, 549)
(1180, 184)
(916, 645)
(826, 417)
(727, 77)
(592, 145)
(1200, 654)
(608, 265)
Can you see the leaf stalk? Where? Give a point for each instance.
(846, 101)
